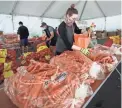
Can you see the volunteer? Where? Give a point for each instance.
(23, 34)
(66, 31)
(50, 33)
(88, 30)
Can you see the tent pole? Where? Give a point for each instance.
(50, 5)
(83, 10)
(14, 7)
(100, 8)
(101, 12)
(13, 23)
(105, 23)
(41, 19)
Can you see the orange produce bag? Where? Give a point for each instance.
(81, 40)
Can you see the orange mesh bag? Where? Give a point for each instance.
(27, 89)
(27, 85)
(43, 54)
(46, 85)
(72, 61)
(43, 38)
(81, 40)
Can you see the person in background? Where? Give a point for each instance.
(66, 31)
(50, 33)
(56, 28)
(92, 35)
(23, 34)
(88, 30)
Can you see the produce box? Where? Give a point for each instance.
(104, 34)
(119, 32)
(111, 34)
(116, 39)
(99, 34)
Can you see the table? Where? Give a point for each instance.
(112, 86)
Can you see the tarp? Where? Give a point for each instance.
(105, 14)
(56, 9)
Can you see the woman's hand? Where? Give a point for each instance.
(74, 47)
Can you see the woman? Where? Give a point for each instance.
(66, 31)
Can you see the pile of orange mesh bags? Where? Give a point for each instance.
(43, 54)
(8, 63)
(64, 82)
(104, 56)
(10, 38)
(10, 41)
(54, 85)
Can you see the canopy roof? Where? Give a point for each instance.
(56, 9)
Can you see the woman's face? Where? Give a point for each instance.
(72, 19)
(44, 27)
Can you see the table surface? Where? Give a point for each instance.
(96, 87)
(5, 102)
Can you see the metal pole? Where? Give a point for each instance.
(14, 7)
(105, 23)
(83, 9)
(13, 23)
(100, 8)
(50, 5)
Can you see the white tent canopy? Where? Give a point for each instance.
(57, 9)
(105, 14)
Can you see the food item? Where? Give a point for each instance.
(2, 60)
(3, 53)
(96, 71)
(11, 55)
(101, 57)
(83, 91)
(10, 38)
(43, 55)
(81, 40)
(50, 85)
(72, 61)
(116, 39)
(7, 66)
(8, 74)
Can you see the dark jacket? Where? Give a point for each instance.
(63, 36)
(47, 31)
(23, 32)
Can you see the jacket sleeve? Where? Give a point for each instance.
(28, 32)
(18, 31)
(63, 35)
(76, 29)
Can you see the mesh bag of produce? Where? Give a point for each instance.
(49, 85)
(104, 58)
(43, 54)
(72, 61)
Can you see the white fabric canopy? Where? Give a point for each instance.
(105, 14)
(57, 9)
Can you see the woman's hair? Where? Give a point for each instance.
(71, 10)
